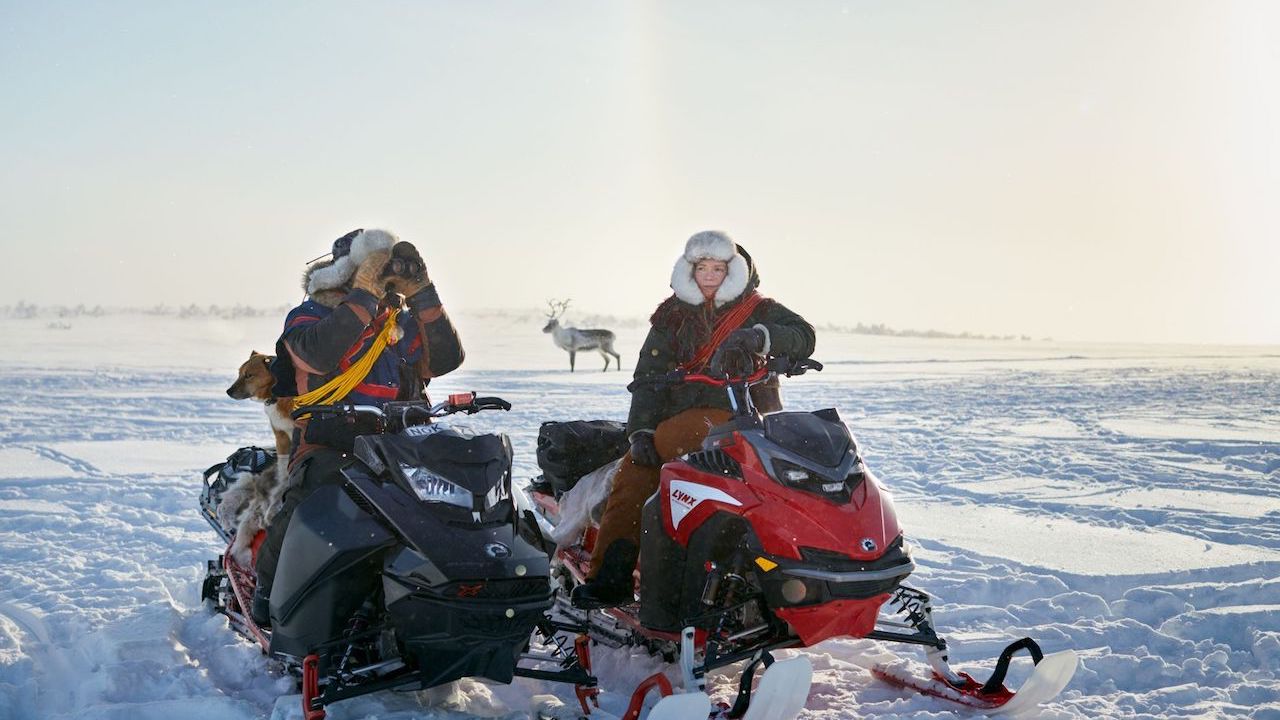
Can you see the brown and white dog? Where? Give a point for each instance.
(248, 505)
(254, 381)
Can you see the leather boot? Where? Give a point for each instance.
(613, 585)
(260, 609)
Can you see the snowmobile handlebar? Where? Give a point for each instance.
(780, 365)
(407, 410)
(470, 404)
(738, 388)
(759, 376)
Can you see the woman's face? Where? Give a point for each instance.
(709, 275)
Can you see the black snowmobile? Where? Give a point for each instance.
(422, 568)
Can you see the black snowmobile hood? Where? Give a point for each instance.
(476, 463)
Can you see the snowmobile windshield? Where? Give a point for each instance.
(451, 465)
(811, 437)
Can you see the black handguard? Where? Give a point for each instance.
(784, 365)
(643, 451)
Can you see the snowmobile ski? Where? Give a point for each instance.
(783, 690)
(780, 695)
(681, 707)
(1051, 675)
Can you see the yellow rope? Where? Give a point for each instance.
(342, 385)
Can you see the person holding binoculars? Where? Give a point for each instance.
(372, 325)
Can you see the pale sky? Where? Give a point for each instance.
(1081, 170)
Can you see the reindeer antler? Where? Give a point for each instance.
(557, 307)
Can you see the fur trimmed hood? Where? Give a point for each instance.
(327, 281)
(712, 245)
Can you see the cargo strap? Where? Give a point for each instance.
(342, 385)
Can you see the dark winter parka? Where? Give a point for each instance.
(332, 329)
(680, 328)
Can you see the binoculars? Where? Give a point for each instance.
(405, 267)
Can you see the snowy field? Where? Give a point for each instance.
(1123, 501)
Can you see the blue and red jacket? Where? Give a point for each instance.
(322, 342)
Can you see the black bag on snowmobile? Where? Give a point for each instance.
(569, 450)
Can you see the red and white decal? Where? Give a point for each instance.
(684, 496)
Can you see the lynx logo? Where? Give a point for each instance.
(470, 591)
(685, 496)
(869, 545)
(497, 550)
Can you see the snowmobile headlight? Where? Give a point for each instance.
(802, 478)
(799, 477)
(794, 591)
(790, 473)
(497, 494)
(430, 487)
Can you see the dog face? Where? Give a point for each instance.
(255, 378)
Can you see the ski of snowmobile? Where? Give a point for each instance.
(681, 707)
(783, 690)
(1051, 675)
(781, 695)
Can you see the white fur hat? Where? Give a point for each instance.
(709, 245)
(339, 273)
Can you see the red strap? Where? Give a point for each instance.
(299, 320)
(379, 391)
(372, 329)
(730, 322)
(258, 538)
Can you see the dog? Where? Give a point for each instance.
(254, 380)
(246, 507)
(250, 504)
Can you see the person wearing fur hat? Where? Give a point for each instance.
(714, 283)
(348, 302)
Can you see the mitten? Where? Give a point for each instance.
(369, 276)
(643, 451)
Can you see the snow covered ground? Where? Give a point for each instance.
(1120, 500)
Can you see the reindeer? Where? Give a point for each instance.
(572, 340)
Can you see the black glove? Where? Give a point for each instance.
(643, 451)
(405, 271)
(736, 356)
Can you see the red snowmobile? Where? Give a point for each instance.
(776, 535)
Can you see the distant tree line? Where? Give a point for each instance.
(25, 310)
(882, 329)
